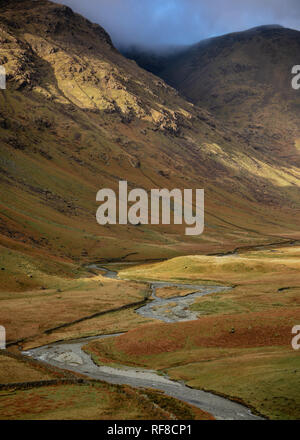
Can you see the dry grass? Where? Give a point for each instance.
(245, 331)
(14, 371)
(98, 401)
(266, 379)
(169, 292)
(277, 264)
(115, 322)
(23, 315)
(184, 342)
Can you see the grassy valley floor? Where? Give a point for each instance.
(240, 345)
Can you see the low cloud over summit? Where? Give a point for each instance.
(176, 22)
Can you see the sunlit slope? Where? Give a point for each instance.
(77, 117)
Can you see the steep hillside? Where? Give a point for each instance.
(77, 116)
(245, 79)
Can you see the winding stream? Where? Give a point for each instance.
(69, 355)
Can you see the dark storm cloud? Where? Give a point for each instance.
(173, 22)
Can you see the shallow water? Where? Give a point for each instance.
(69, 355)
(175, 309)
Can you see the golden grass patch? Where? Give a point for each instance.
(94, 401)
(169, 292)
(33, 312)
(14, 370)
(266, 379)
(114, 322)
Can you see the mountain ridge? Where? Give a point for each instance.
(245, 79)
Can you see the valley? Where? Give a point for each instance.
(244, 325)
(141, 320)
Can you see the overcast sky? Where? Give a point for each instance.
(176, 22)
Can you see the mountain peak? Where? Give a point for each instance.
(266, 27)
(245, 73)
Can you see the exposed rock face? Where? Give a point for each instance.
(45, 40)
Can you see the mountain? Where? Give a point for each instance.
(78, 116)
(153, 59)
(245, 79)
